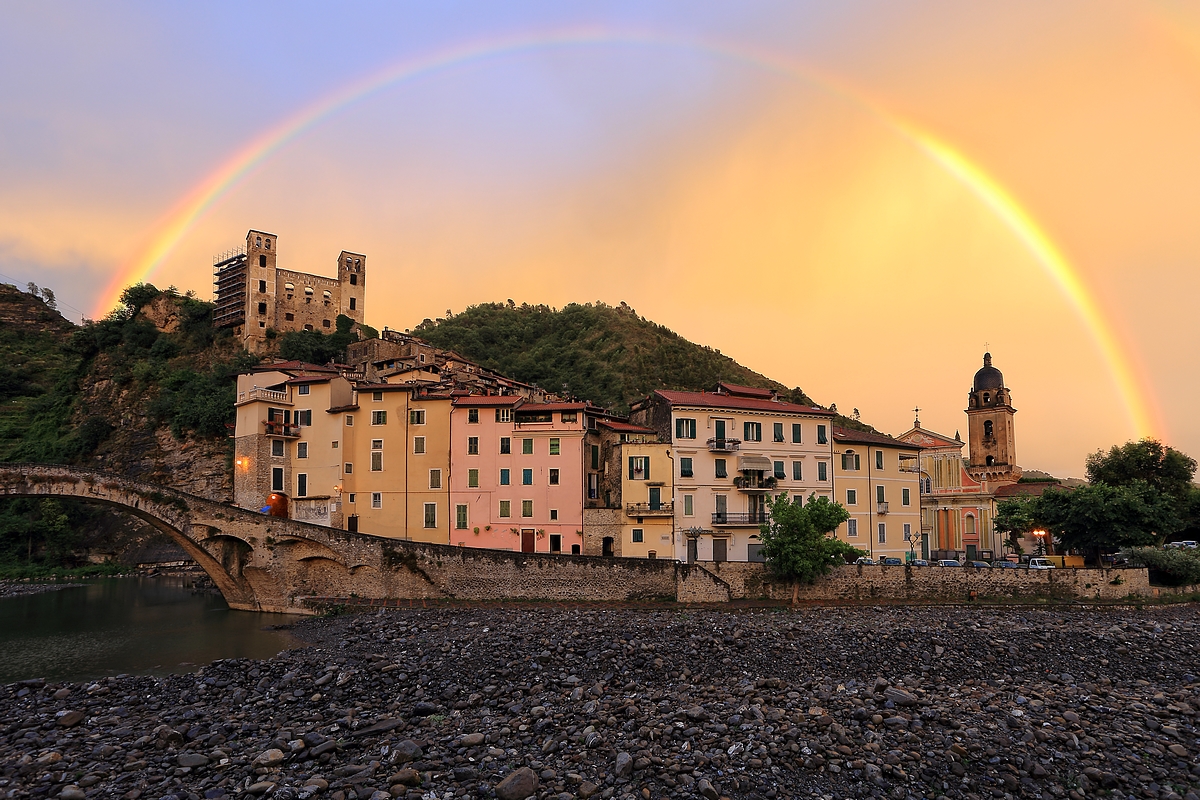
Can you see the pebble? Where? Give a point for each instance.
(590, 702)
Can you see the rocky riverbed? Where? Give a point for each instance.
(20, 588)
(584, 702)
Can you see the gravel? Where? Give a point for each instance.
(579, 702)
(20, 588)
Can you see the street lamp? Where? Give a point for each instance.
(1040, 537)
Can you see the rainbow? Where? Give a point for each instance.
(182, 217)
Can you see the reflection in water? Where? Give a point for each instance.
(127, 625)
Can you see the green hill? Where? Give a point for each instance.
(608, 355)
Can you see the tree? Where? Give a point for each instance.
(1015, 518)
(1104, 517)
(1163, 468)
(796, 541)
(48, 296)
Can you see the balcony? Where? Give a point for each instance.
(881, 508)
(282, 429)
(723, 445)
(649, 510)
(910, 465)
(268, 395)
(729, 519)
(753, 484)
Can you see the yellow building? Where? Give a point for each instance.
(630, 504)
(877, 479)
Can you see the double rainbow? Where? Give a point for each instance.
(187, 211)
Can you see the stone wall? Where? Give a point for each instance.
(862, 582)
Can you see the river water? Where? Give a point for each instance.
(128, 625)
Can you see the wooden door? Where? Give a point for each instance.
(527, 540)
(719, 553)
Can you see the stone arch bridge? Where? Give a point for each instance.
(263, 563)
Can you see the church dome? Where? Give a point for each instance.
(988, 377)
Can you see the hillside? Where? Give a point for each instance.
(608, 355)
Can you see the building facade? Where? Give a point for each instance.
(877, 479)
(258, 299)
(629, 504)
(733, 448)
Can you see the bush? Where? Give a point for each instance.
(1167, 567)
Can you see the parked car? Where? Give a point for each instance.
(864, 560)
(1008, 565)
(979, 564)
(919, 562)
(889, 561)
(1184, 545)
(948, 562)
(1041, 563)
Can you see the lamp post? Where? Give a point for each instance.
(1040, 537)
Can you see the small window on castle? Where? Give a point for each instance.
(327, 295)
(267, 243)
(308, 327)
(262, 286)
(987, 429)
(291, 287)
(324, 323)
(353, 279)
(289, 316)
(258, 241)
(262, 261)
(357, 262)
(308, 291)
(353, 303)
(262, 308)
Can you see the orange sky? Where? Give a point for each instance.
(784, 224)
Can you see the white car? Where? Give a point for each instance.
(948, 562)
(1041, 563)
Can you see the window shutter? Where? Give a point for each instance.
(631, 468)
(845, 462)
(646, 466)
(857, 462)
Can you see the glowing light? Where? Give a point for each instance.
(184, 215)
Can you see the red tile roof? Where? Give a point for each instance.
(713, 400)
(311, 379)
(746, 391)
(624, 427)
(866, 437)
(488, 400)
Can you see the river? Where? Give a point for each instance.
(128, 625)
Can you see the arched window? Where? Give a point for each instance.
(991, 461)
(258, 241)
(928, 486)
(268, 244)
(987, 429)
(328, 295)
(970, 526)
(291, 287)
(986, 398)
(308, 290)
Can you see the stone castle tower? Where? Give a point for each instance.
(254, 296)
(991, 436)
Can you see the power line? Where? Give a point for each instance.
(56, 300)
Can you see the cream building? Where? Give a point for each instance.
(877, 479)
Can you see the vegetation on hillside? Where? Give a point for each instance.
(608, 355)
(37, 534)
(315, 347)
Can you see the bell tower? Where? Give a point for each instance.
(991, 436)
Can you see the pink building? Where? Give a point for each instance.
(516, 473)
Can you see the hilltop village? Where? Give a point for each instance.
(411, 441)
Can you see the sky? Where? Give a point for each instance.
(857, 198)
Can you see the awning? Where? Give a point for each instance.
(755, 464)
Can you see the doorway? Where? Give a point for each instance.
(527, 540)
(352, 523)
(719, 429)
(719, 549)
(607, 546)
(655, 498)
(692, 549)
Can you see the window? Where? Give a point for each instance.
(376, 461)
(852, 528)
(797, 470)
(685, 429)
(304, 417)
(721, 472)
(277, 449)
(503, 415)
(595, 456)
(376, 499)
(778, 431)
(276, 479)
(796, 433)
(258, 241)
(302, 485)
(435, 479)
(431, 515)
(416, 416)
(376, 397)
(883, 533)
(505, 508)
(907, 532)
(472, 445)
(505, 445)
(472, 479)
(505, 477)
(262, 286)
(418, 445)
(526, 508)
(637, 535)
(688, 505)
(556, 543)
(527, 447)
(351, 497)
(301, 449)
(987, 424)
(289, 316)
(353, 303)
(851, 461)
(878, 459)
(639, 468)
(262, 308)
(593, 482)
(780, 474)
(685, 467)
(473, 416)
(353, 280)
(752, 431)
(327, 296)
(822, 435)
(379, 418)
(289, 287)
(303, 389)
(349, 420)
(460, 517)
(554, 515)
(308, 291)
(555, 447)
(822, 471)
(554, 477)
(879, 496)
(527, 477)
(348, 468)
(570, 416)
(325, 322)
(904, 496)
